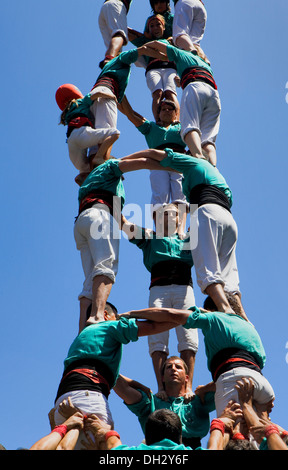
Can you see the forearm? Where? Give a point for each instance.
(179, 317)
(69, 440)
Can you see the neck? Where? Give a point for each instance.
(175, 389)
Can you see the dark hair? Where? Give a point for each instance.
(163, 424)
(109, 307)
(239, 444)
(168, 8)
(209, 304)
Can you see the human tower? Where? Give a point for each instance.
(181, 157)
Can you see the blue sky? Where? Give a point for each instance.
(41, 273)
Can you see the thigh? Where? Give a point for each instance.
(105, 113)
(191, 108)
(160, 186)
(227, 256)
(78, 152)
(112, 19)
(176, 189)
(210, 119)
(154, 80)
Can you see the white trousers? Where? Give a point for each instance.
(214, 249)
(97, 238)
(190, 18)
(161, 79)
(105, 114)
(225, 387)
(173, 296)
(83, 138)
(112, 20)
(200, 110)
(166, 186)
(88, 402)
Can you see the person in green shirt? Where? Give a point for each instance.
(233, 347)
(200, 105)
(93, 361)
(193, 411)
(161, 76)
(166, 186)
(167, 256)
(81, 130)
(213, 230)
(96, 230)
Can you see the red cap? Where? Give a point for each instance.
(65, 93)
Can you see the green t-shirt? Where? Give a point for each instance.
(104, 177)
(103, 341)
(165, 444)
(82, 107)
(157, 249)
(194, 415)
(195, 171)
(184, 59)
(225, 330)
(156, 135)
(119, 68)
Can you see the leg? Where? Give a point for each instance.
(217, 294)
(193, 140)
(156, 98)
(101, 289)
(158, 359)
(209, 152)
(189, 357)
(115, 46)
(84, 304)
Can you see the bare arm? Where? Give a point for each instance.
(159, 315)
(127, 390)
(139, 163)
(134, 117)
(154, 47)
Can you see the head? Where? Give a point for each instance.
(174, 372)
(239, 444)
(160, 6)
(156, 26)
(110, 312)
(66, 93)
(166, 219)
(167, 112)
(163, 424)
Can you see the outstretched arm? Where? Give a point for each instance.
(125, 108)
(140, 163)
(160, 315)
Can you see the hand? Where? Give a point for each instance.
(67, 409)
(231, 414)
(75, 421)
(245, 389)
(98, 428)
(162, 395)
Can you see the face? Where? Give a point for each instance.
(156, 28)
(160, 6)
(167, 113)
(167, 221)
(174, 371)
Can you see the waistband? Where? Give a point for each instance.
(97, 197)
(110, 82)
(175, 147)
(159, 64)
(166, 273)
(197, 74)
(229, 358)
(78, 122)
(209, 194)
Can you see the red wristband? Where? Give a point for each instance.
(217, 424)
(61, 429)
(271, 429)
(111, 433)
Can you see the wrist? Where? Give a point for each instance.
(217, 424)
(110, 434)
(271, 429)
(62, 429)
